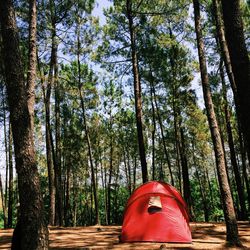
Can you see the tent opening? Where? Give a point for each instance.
(154, 204)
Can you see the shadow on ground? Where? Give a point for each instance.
(205, 236)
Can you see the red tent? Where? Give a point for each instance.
(156, 212)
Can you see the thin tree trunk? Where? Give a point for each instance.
(74, 207)
(240, 62)
(2, 201)
(134, 172)
(239, 184)
(203, 197)
(202, 187)
(137, 92)
(129, 175)
(48, 134)
(106, 196)
(104, 186)
(227, 61)
(116, 197)
(31, 231)
(224, 49)
(97, 219)
(10, 202)
(228, 208)
(32, 62)
(246, 179)
(153, 130)
(110, 179)
(58, 153)
(50, 151)
(162, 135)
(67, 196)
(5, 198)
(177, 146)
(206, 176)
(185, 174)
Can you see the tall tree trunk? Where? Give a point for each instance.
(240, 62)
(58, 165)
(211, 193)
(177, 147)
(50, 149)
(228, 208)
(129, 174)
(104, 184)
(67, 195)
(111, 167)
(5, 198)
(51, 174)
(2, 201)
(201, 186)
(110, 177)
(32, 232)
(162, 134)
(10, 202)
(239, 184)
(92, 170)
(185, 174)
(32, 62)
(227, 61)
(106, 196)
(203, 197)
(90, 154)
(153, 130)
(74, 207)
(224, 49)
(48, 134)
(137, 92)
(134, 172)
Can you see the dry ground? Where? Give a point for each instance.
(205, 236)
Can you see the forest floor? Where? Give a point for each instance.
(205, 236)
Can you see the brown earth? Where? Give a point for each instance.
(205, 236)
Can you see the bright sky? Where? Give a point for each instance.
(98, 10)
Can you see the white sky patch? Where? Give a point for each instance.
(98, 10)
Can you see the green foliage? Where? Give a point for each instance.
(1, 220)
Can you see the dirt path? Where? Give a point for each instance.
(205, 236)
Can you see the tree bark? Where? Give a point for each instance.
(239, 184)
(6, 162)
(2, 201)
(162, 135)
(32, 63)
(240, 62)
(50, 149)
(58, 165)
(90, 154)
(48, 135)
(224, 49)
(185, 174)
(67, 198)
(228, 208)
(153, 130)
(32, 233)
(10, 202)
(137, 92)
(227, 61)
(110, 177)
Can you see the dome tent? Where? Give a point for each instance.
(156, 212)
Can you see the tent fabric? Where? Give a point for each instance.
(168, 223)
